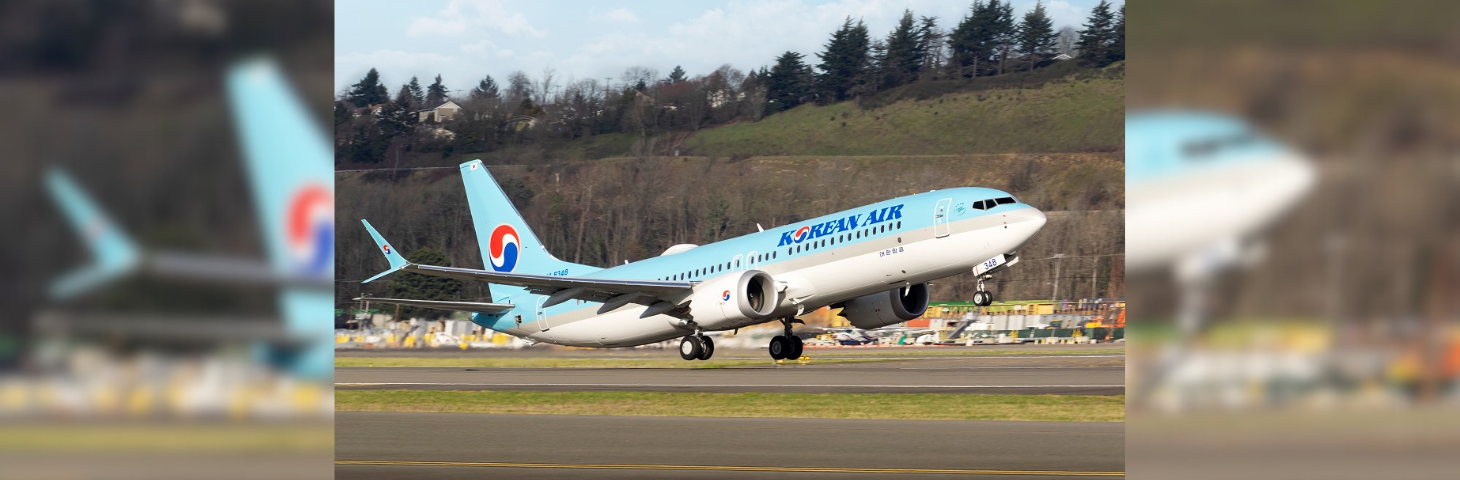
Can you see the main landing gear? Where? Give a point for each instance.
(788, 346)
(982, 297)
(696, 347)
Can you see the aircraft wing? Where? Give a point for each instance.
(613, 293)
(443, 304)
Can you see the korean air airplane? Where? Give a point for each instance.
(874, 262)
(1200, 186)
(290, 166)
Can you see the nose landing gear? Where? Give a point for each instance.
(983, 297)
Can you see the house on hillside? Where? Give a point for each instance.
(440, 113)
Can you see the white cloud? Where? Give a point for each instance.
(622, 15)
(473, 16)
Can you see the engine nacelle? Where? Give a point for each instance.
(734, 300)
(886, 308)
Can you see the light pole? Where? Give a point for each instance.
(1055, 297)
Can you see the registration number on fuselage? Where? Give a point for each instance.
(987, 265)
(890, 251)
(560, 273)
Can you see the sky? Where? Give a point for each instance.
(465, 40)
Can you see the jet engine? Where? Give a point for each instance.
(734, 300)
(886, 308)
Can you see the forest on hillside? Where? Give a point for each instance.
(989, 47)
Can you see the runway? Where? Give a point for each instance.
(1086, 374)
(442, 445)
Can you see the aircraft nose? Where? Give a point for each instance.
(1028, 219)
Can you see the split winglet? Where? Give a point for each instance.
(397, 262)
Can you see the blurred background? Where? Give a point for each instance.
(1313, 332)
(158, 279)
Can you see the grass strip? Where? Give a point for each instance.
(904, 406)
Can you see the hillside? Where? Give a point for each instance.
(1075, 115)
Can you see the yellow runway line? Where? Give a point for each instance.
(731, 468)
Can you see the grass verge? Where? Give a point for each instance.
(902, 406)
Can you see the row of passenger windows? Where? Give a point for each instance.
(717, 268)
(1201, 148)
(987, 204)
(862, 233)
(805, 247)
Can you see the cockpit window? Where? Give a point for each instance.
(1005, 200)
(978, 205)
(1210, 146)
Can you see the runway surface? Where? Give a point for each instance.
(1036, 374)
(443, 445)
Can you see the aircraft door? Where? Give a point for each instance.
(940, 218)
(542, 319)
(736, 265)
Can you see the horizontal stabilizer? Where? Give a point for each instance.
(113, 253)
(483, 307)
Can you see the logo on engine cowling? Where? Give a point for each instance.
(725, 296)
(831, 227)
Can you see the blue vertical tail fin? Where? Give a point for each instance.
(290, 168)
(507, 243)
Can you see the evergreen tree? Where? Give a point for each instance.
(930, 42)
(342, 113)
(416, 92)
(970, 43)
(368, 91)
(904, 56)
(435, 94)
(405, 98)
(677, 75)
(788, 83)
(424, 287)
(1117, 48)
(485, 89)
(1098, 36)
(1036, 34)
(844, 62)
(1002, 29)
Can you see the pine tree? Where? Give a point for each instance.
(485, 89)
(930, 42)
(844, 62)
(1098, 36)
(677, 75)
(787, 84)
(368, 91)
(1002, 29)
(904, 56)
(1036, 33)
(971, 42)
(1117, 48)
(416, 92)
(435, 94)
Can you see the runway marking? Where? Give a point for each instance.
(700, 385)
(731, 468)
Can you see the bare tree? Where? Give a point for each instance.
(1065, 40)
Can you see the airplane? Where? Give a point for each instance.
(290, 165)
(1199, 188)
(873, 262)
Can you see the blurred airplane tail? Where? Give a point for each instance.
(507, 243)
(112, 252)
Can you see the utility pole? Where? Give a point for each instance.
(1055, 298)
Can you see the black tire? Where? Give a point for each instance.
(689, 348)
(779, 347)
(795, 351)
(708, 347)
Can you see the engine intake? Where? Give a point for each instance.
(734, 300)
(886, 308)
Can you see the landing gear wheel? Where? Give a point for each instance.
(983, 298)
(795, 350)
(780, 347)
(690, 348)
(709, 347)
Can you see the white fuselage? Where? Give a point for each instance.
(836, 273)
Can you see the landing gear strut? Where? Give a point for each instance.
(982, 297)
(788, 346)
(696, 347)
